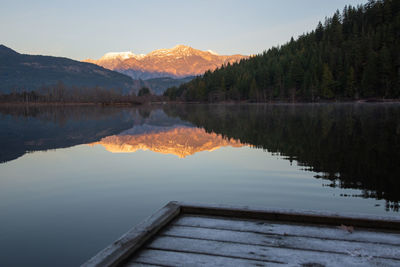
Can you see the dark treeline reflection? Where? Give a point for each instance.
(33, 128)
(352, 145)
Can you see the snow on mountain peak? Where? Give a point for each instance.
(181, 46)
(119, 55)
(178, 50)
(212, 52)
(178, 61)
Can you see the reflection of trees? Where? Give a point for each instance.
(354, 146)
(33, 128)
(58, 113)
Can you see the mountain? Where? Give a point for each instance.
(30, 72)
(177, 62)
(354, 54)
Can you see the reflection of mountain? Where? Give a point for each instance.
(179, 141)
(354, 145)
(24, 129)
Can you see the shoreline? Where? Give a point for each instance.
(366, 100)
(134, 104)
(68, 104)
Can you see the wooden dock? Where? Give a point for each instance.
(183, 234)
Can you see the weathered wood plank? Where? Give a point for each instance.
(138, 264)
(268, 227)
(299, 216)
(135, 238)
(292, 242)
(293, 257)
(276, 229)
(174, 258)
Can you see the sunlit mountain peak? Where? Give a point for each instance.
(213, 52)
(176, 62)
(121, 55)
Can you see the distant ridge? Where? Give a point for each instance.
(20, 72)
(177, 62)
(4, 50)
(158, 85)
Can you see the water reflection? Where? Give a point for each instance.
(350, 145)
(26, 129)
(181, 141)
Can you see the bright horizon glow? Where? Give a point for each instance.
(90, 29)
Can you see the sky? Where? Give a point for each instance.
(90, 28)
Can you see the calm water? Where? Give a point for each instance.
(74, 179)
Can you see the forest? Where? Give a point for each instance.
(353, 55)
(60, 93)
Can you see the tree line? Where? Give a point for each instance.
(60, 93)
(353, 54)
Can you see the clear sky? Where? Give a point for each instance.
(89, 28)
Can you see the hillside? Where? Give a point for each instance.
(177, 62)
(19, 72)
(158, 85)
(354, 54)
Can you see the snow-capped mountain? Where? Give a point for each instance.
(177, 62)
(121, 55)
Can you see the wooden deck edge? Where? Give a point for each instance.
(127, 244)
(309, 217)
(130, 242)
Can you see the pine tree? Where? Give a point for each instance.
(350, 83)
(327, 82)
(253, 91)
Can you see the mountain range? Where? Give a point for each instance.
(20, 72)
(177, 62)
(157, 70)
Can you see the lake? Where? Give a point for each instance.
(75, 178)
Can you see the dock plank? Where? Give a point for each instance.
(269, 227)
(139, 264)
(268, 255)
(300, 243)
(185, 234)
(174, 258)
(375, 222)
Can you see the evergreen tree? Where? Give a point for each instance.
(327, 82)
(350, 83)
(253, 91)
